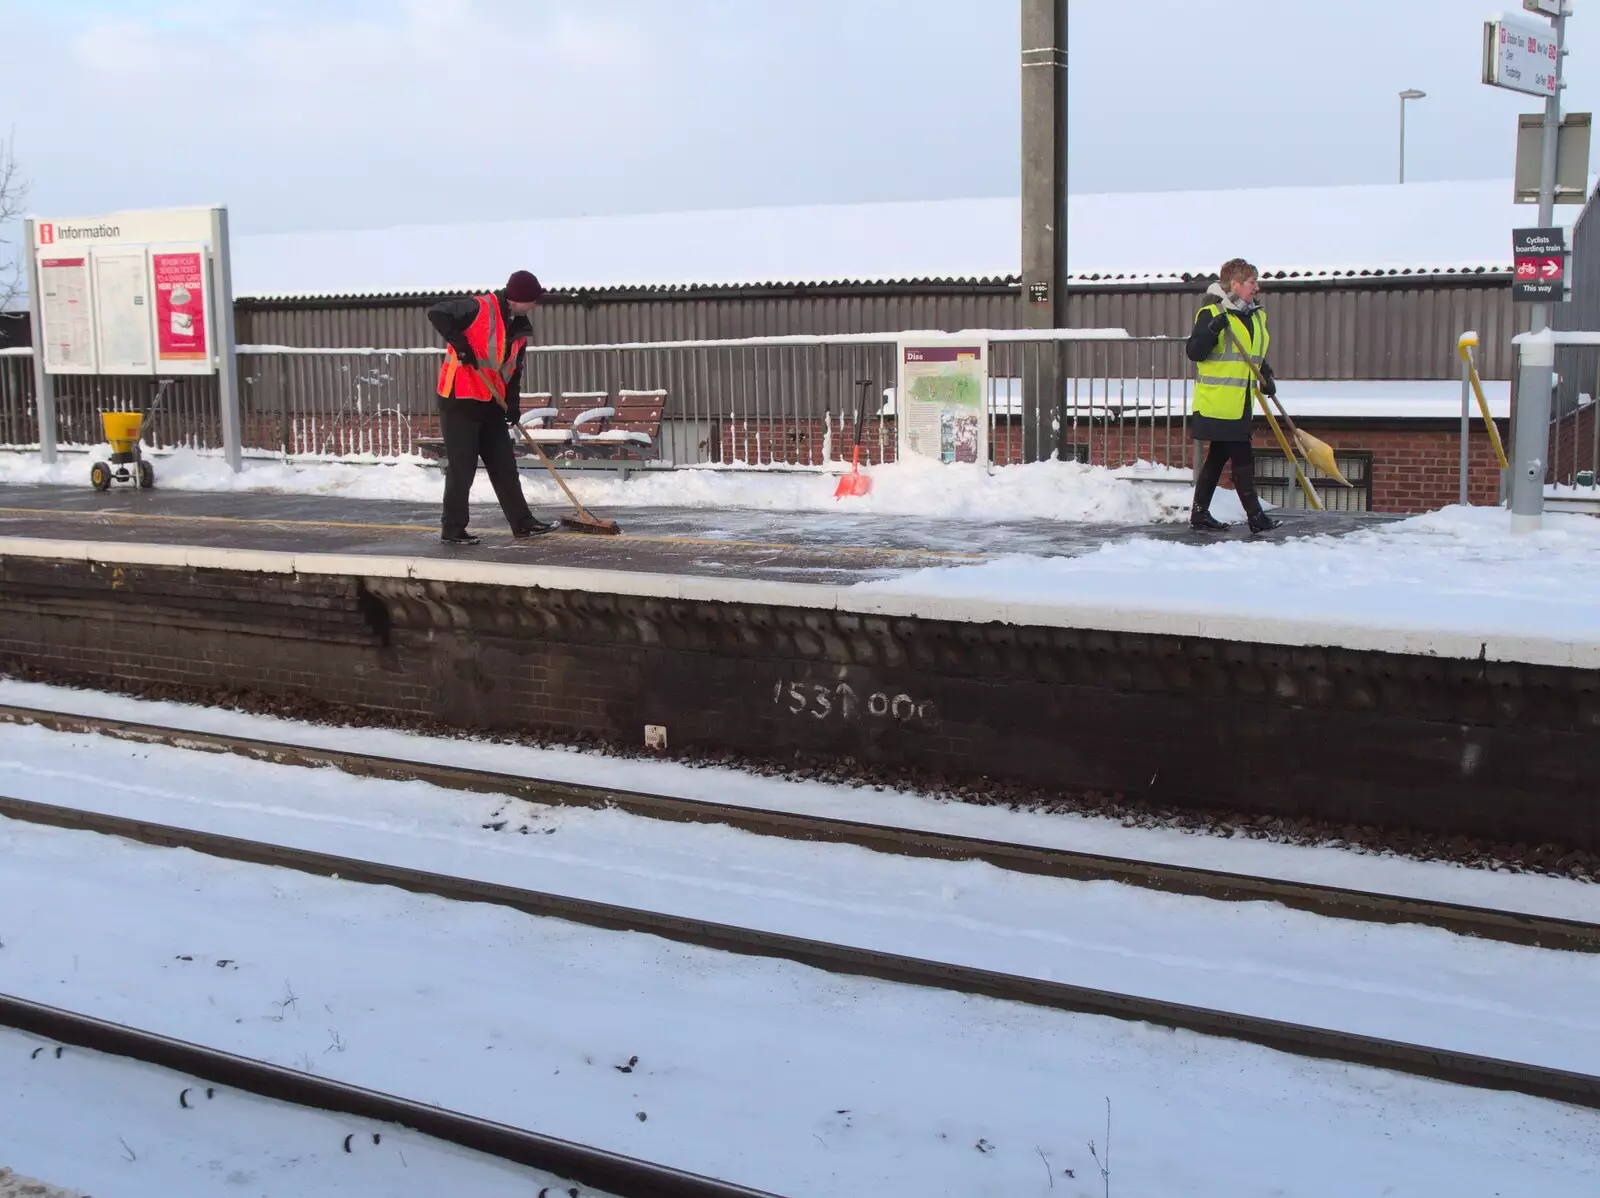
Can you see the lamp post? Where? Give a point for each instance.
(1410, 93)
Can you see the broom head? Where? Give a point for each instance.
(591, 525)
(1320, 455)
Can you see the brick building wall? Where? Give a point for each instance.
(1572, 446)
(1458, 746)
(1414, 463)
(1414, 469)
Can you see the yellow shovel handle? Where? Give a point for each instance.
(1283, 444)
(1464, 348)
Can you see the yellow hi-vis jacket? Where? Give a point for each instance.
(1225, 386)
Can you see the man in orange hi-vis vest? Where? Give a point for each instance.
(479, 400)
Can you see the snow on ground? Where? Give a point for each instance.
(1443, 881)
(112, 1126)
(1406, 983)
(1064, 491)
(1458, 570)
(759, 1071)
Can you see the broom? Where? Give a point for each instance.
(583, 521)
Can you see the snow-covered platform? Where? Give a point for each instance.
(797, 546)
(1437, 673)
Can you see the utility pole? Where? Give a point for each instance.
(1530, 434)
(1044, 219)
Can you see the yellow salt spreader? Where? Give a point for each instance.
(127, 465)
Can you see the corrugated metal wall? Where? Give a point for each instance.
(1579, 367)
(1345, 329)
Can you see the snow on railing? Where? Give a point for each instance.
(791, 339)
(772, 401)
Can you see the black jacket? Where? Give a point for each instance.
(453, 317)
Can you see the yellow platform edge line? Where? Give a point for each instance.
(248, 521)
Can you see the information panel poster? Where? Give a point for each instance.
(122, 309)
(940, 401)
(183, 341)
(68, 321)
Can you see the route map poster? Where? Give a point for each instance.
(180, 296)
(122, 309)
(68, 332)
(940, 406)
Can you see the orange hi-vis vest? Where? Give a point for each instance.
(497, 361)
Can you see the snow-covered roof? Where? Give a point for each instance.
(1290, 232)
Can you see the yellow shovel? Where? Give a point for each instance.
(1315, 451)
(1464, 347)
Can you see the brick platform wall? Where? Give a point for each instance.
(1466, 747)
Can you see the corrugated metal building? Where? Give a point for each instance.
(1354, 324)
(1362, 284)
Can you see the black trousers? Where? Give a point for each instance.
(1242, 456)
(475, 429)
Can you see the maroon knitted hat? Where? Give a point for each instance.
(523, 288)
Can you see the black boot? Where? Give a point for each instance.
(458, 536)
(1201, 520)
(533, 528)
(1261, 522)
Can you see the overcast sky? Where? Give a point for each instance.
(350, 113)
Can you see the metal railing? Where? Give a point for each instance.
(779, 402)
(1575, 421)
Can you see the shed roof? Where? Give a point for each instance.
(1141, 237)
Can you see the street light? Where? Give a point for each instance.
(1410, 93)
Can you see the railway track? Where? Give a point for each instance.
(1338, 902)
(1444, 1064)
(624, 1176)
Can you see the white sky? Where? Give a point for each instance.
(358, 113)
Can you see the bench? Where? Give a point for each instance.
(583, 426)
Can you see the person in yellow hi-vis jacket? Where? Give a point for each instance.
(1224, 392)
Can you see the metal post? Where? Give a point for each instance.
(1044, 211)
(1466, 397)
(1410, 93)
(44, 389)
(226, 344)
(1531, 442)
(1402, 137)
(1531, 431)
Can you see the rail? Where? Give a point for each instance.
(624, 1176)
(790, 402)
(1469, 1069)
(1337, 902)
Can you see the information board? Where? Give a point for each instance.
(103, 272)
(940, 401)
(183, 341)
(66, 315)
(122, 309)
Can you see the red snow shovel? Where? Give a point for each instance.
(855, 483)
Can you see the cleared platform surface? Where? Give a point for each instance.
(817, 547)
